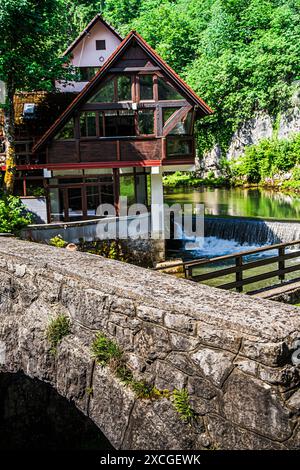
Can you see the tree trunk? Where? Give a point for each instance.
(9, 138)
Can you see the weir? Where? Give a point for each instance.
(251, 231)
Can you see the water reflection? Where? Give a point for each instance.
(252, 202)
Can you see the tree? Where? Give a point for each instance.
(32, 33)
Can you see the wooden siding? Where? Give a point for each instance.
(98, 150)
(62, 151)
(105, 151)
(140, 150)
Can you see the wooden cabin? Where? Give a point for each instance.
(132, 121)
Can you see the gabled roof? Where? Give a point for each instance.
(92, 85)
(96, 19)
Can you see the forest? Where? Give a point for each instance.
(238, 55)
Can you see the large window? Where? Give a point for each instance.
(119, 123)
(88, 124)
(178, 147)
(146, 87)
(67, 131)
(124, 88)
(167, 113)
(146, 121)
(167, 92)
(114, 90)
(184, 127)
(106, 94)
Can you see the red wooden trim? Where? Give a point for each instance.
(82, 166)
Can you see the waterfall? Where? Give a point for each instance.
(249, 231)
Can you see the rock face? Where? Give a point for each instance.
(231, 352)
(251, 132)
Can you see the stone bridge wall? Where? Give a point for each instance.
(232, 352)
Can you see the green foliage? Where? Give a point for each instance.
(108, 353)
(37, 192)
(111, 249)
(269, 157)
(58, 241)
(32, 33)
(57, 329)
(176, 179)
(181, 402)
(13, 215)
(104, 349)
(239, 55)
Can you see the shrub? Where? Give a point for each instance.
(57, 329)
(13, 215)
(268, 157)
(58, 241)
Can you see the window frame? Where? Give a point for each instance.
(114, 80)
(102, 41)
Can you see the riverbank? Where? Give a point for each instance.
(181, 179)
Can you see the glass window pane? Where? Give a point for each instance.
(126, 123)
(146, 87)
(120, 123)
(106, 94)
(67, 131)
(146, 121)
(92, 199)
(124, 88)
(56, 205)
(111, 123)
(167, 113)
(88, 124)
(178, 147)
(167, 92)
(127, 188)
(183, 127)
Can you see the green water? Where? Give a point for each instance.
(238, 202)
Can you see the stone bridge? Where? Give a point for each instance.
(231, 352)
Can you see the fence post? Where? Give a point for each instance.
(238, 273)
(281, 263)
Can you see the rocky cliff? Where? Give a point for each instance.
(260, 126)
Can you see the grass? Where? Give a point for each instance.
(104, 349)
(108, 353)
(57, 329)
(178, 178)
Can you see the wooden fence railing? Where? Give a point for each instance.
(241, 265)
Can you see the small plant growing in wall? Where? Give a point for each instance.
(57, 329)
(58, 241)
(181, 402)
(104, 350)
(108, 353)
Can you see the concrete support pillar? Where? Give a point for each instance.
(157, 202)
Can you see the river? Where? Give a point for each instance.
(237, 220)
